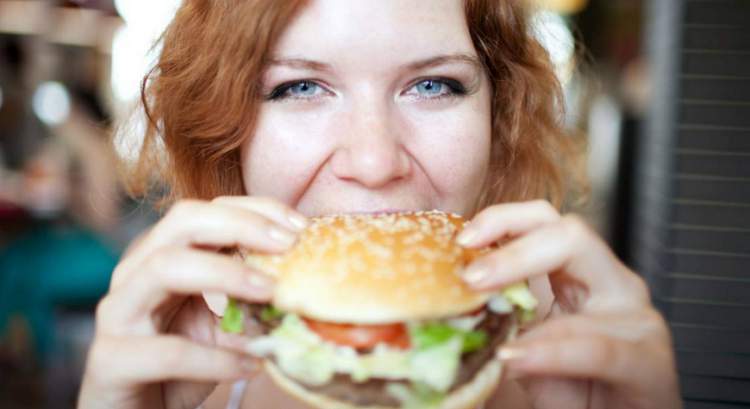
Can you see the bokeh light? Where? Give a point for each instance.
(553, 32)
(51, 103)
(147, 14)
(132, 57)
(133, 50)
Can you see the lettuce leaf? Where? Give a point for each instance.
(520, 295)
(436, 333)
(234, 318)
(433, 360)
(437, 365)
(436, 352)
(473, 341)
(515, 295)
(270, 313)
(415, 396)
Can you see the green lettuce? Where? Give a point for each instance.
(302, 354)
(473, 341)
(234, 318)
(270, 313)
(437, 365)
(520, 295)
(515, 295)
(416, 395)
(432, 361)
(436, 333)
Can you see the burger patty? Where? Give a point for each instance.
(497, 327)
(373, 391)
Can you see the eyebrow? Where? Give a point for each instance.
(445, 59)
(301, 63)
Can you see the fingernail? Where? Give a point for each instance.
(473, 275)
(468, 236)
(510, 353)
(282, 236)
(298, 221)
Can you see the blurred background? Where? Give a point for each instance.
(659, 88)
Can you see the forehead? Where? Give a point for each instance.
(367, 31)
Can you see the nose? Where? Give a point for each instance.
(370, 150)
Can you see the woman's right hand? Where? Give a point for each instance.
(157, 344)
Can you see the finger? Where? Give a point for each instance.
(541, 289)
(508, 219)
(599, 340)
(630, 326)
(270, 208)
(182, 271)
(152, 359)
(237, 342)
(580, 356)
(201, 223)
(568, 247)
(549, 392)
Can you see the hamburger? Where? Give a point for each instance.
(369, 311)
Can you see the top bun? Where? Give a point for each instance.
(374, 269)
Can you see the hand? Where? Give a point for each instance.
(603, 344)
(157, 345)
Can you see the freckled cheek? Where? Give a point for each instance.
(284, 152)
(453, 148)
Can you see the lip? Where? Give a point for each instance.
(364, 211)
(384, 211)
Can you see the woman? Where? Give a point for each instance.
(270, 112)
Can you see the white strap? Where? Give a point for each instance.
(236, 395)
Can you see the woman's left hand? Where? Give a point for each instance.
(603, 345)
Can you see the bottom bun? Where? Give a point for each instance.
(469, 396)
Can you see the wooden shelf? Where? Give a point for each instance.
(59, 25)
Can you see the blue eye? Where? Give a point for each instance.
(437, 88)
(430, 87)
(296, 90)
(303, 88)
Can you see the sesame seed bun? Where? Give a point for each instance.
(374, 269)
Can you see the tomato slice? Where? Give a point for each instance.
(361, 336)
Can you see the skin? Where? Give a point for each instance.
(362, 136)
(371, 138)
(603, 345)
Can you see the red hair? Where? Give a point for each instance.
(203, 95)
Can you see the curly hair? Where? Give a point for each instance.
(202, 100)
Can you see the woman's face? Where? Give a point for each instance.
(373, 106)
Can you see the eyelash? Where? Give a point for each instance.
(456, 89)
(281, 92)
